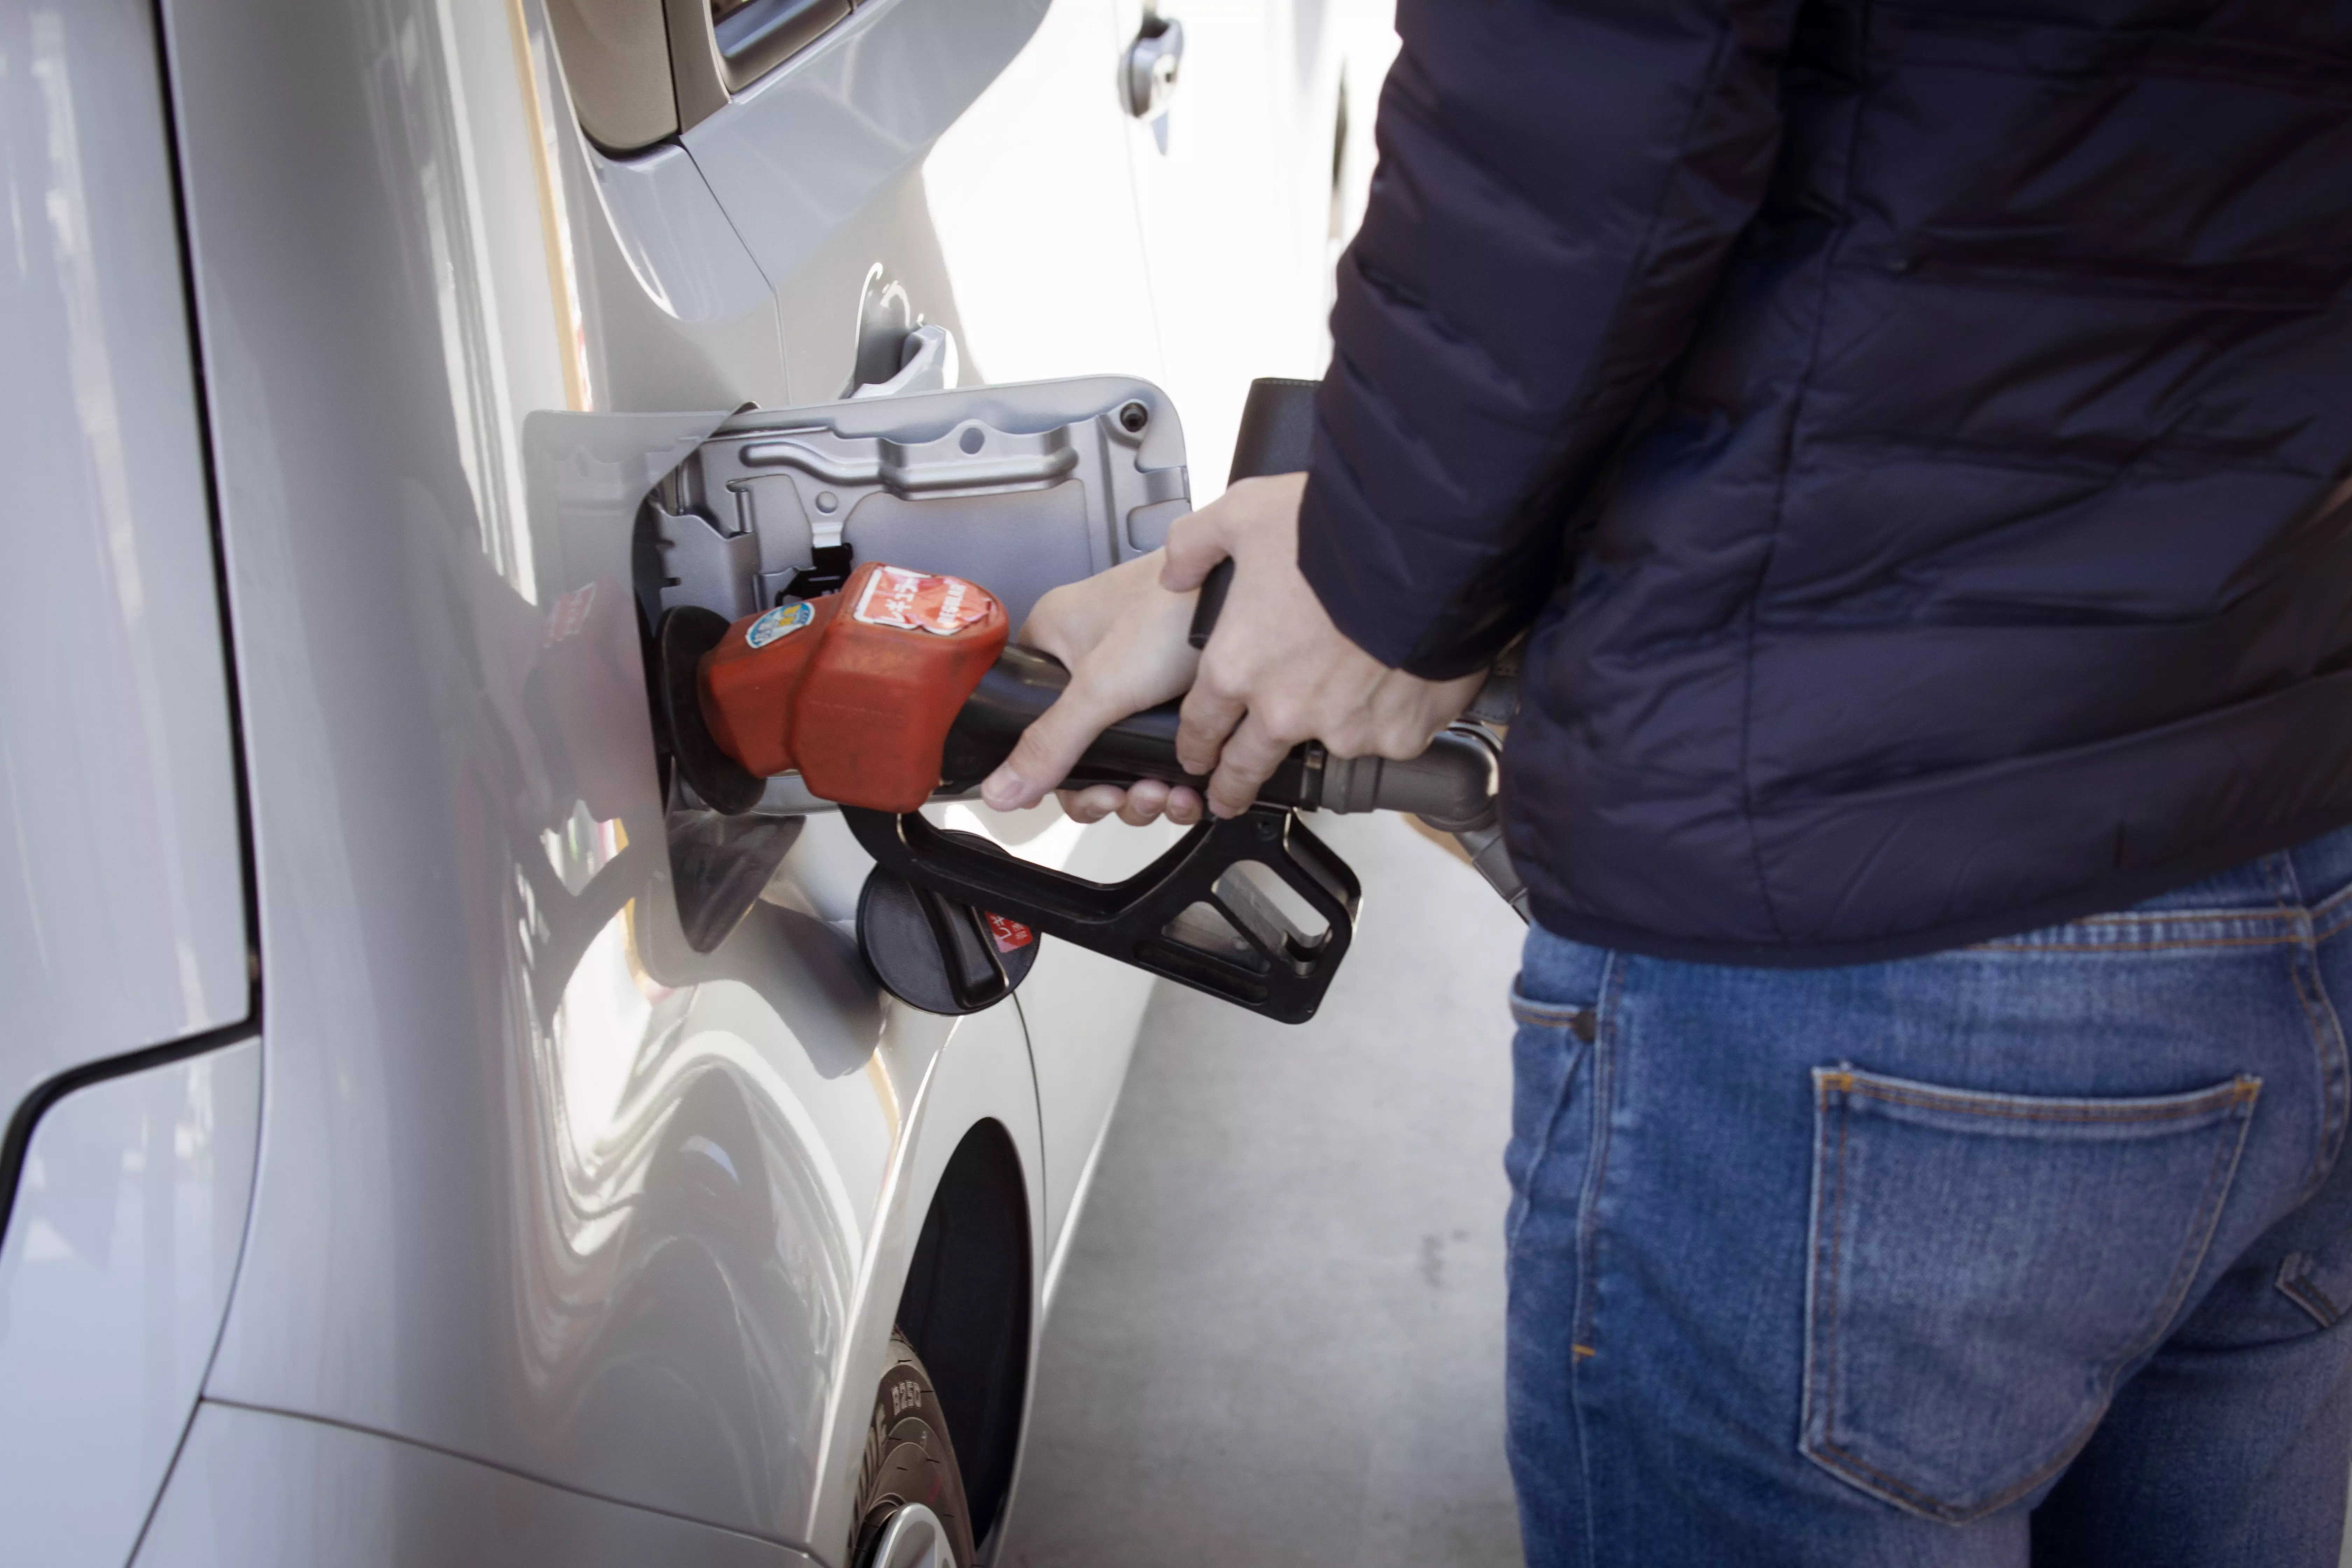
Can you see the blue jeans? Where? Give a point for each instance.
(2035, 1251)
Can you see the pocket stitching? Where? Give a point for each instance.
(1578, 1056)
(1825, 1451)
(1525, 1010)
(1543, 1145)
(2011, 1108)
(2295, 1284)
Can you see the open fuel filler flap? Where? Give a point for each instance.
(823, 677)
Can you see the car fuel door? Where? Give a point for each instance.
(1019, 488)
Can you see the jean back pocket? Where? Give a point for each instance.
(1985, 1266)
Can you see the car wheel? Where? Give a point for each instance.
(910, 1510)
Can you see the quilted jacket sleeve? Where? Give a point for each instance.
(1560, 183)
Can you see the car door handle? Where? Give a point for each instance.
(1151, 65)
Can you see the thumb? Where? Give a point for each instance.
(1048, 749)
(1195, 544)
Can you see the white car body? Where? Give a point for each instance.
(385, 1183)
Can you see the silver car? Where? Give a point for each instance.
(432, 1136)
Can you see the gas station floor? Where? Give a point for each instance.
(1279, 1337)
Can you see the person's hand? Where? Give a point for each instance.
(1124, 638)
(1276, 670)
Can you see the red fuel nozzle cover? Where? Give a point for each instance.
(857, 689)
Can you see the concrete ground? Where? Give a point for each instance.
(1279, 1338)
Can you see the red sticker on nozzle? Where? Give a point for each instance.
(1010, 936)
(943, 607)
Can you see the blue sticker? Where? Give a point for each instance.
(781, 621)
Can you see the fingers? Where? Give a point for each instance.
(1249, 759)
(1145, 800)
(1207, 718)
(1195, 544)
(1138, 804)
(1045, 753)
(1093, 803)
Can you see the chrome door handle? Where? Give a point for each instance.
(1149, 77)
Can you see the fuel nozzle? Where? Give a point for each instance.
(855, 690)
(902, 686)
(913, 691)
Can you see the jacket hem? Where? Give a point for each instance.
(2108, 895)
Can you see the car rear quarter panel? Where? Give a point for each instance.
(538, 1185)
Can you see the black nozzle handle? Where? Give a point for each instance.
(1257, 954)
(1452, 784)
(1211, 602)
(1022, 683)
(1277, 437)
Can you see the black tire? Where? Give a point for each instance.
(908, 1459)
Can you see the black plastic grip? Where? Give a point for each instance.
(1023, 683)
(1277, 437)
(1211, 602)
(1195, 915)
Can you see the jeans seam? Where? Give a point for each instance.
(2329, 1059)
(2177, 917)
(1816, 1286)
(2174, 944)
(1603, 1057)
(2330, 1131)
(2327, 1045)
(1601, 1053)
(1837, 1255)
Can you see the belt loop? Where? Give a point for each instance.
(2279, 867)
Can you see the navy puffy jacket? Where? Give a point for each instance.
(1916, 433)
